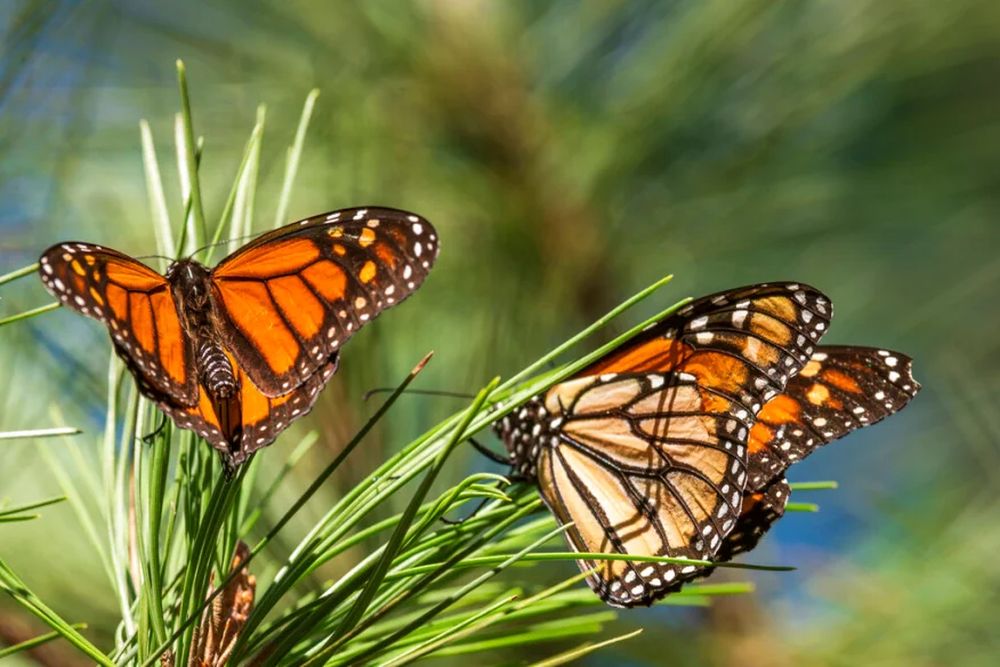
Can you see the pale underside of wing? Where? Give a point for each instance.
(643, 465)
(760, 510)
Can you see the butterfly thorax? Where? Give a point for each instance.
(524, 432)
(192, 288)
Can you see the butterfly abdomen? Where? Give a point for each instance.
(192, 285)
(215, 370)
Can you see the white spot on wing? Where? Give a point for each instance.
(698, 323)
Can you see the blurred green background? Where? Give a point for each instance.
(568, 153)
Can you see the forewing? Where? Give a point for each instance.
(746, 342)
(647, 465)
(136, 305)
(292, 297)
(840, 390)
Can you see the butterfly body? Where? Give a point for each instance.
(191, 285)
(239, 351)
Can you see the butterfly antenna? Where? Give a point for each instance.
(245, 237)
(164, 257)
(418, 392)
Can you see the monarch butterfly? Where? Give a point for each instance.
(675, 444)
(236, 353)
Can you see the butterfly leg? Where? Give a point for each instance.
(150, 437)
(489, 453)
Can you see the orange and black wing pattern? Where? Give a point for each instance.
(747, 342)
(238, 353)
(645, 451)
(238, 427)
(291, 298)
(840, 389)
(136, 305)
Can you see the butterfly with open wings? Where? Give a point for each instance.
(237, 352)
(676, 443)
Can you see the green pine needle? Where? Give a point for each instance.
(19, 273)
(188, 148)
(39, 433)
(154, 189)
(9, 511)
(13, 586)
(577, 653)
(801, 507)
(35, 642)
(28, 314)
(294, 155)
(813, 486)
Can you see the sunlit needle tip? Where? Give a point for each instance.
(423, 362)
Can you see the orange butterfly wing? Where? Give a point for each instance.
(239, 427)
(137, 306)
(841, 389)
(290, 299)
(745, 342)
(645, 452)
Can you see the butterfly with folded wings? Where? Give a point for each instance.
(237, 352)
(676, 443)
